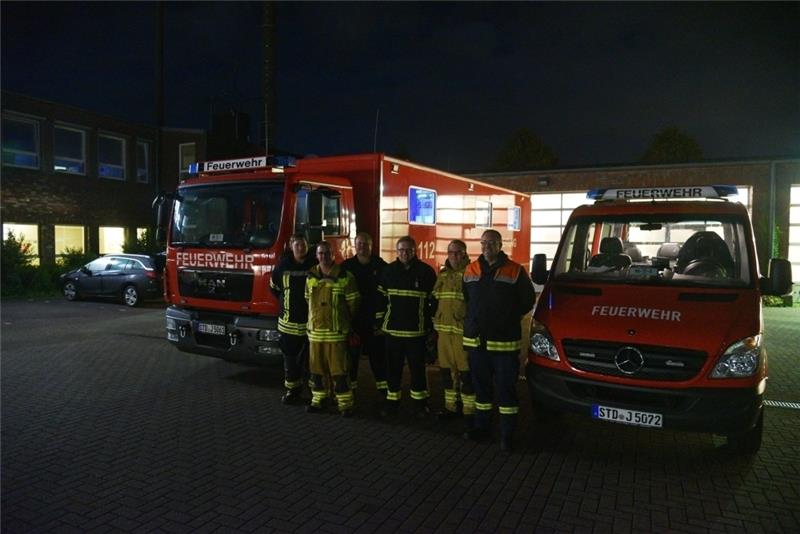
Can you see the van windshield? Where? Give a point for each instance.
(227, 215)
(673, 250)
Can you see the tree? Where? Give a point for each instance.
(524, 151)
(671, 145)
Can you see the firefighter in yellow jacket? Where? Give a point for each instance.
(448, 321)
(332, 296)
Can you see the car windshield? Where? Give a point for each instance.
(228, 215)
(674, 250)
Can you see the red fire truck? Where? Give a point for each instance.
(228, 223)
(651, 314)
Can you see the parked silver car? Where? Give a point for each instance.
(128, 277)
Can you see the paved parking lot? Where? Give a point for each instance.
(107, 428)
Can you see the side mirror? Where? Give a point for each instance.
(314, 204)
(779, 281)
(85, 270)
(164, 204)
(539, 273)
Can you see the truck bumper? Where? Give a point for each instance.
(228, 336)
(711, 410)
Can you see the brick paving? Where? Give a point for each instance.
(107, 428)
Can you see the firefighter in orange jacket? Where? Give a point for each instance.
(332, 297)
(448, 321)
(498, 293)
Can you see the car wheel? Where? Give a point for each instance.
(70, 291)
(750, 441)
(130, 296)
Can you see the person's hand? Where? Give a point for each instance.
(353, 340)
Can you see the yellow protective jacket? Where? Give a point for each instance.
(332, 304)
(448, 297)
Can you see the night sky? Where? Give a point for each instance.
(452, 81)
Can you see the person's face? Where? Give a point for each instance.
(490, 246)
(455, 255)
(405, 252)
(299, 249)
(324, 256)
(363, 246)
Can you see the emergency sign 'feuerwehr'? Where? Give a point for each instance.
(658, 314)
(217, 260)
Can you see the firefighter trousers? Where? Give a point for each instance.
(489, 368)
(295, 360)
(375, 347)
(400, 350)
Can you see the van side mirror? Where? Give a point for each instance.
(779, 281)
(314, 203)
(539, 273)
(164, 203)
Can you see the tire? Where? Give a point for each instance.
(130, 296)
(750, 441)
(70, 291)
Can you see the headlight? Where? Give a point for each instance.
(542, 343)
(740, 359)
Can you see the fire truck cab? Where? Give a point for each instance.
(651, 314)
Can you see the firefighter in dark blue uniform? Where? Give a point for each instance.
(498, 293)
(288, 283)
(367, 269)
(403, 312)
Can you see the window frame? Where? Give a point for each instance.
(435, 203)
(124, 165)
(63, 126)
(183, 173)
(147, 144)
(37, 141)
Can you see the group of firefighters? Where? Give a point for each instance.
(394, 313)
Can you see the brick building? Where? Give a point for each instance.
(769, 187)
(72, 178)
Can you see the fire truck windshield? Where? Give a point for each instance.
(674, 250)
(227, 215)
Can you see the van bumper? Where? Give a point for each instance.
(713, 410)
(252, 339)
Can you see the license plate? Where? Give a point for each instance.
(213, 329)
(627, 417)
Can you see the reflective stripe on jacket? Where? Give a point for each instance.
(332, 303)
(403, 306)
(288, 284)
(497, 297)
(449, 304)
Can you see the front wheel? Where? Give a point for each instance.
(130, 296)
(70, 291)
(750, 441)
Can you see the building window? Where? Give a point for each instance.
(20, 142)
(111, 157)
(69, 150)
(29, 233)
(143, 162)
(187, 154)
(421, 206)
(111, 239)
(483, 214)
(69, 239)
(794, 232)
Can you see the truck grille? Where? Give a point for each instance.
(233, 286)
(659, 363)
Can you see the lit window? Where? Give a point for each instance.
(143, 162)
(141, 233)
(29, 233)
(483, 214)
(68, 238)
(111, 239)
(20, 142)
(111, 157)
(421, 206)
(187, 154)
(69, 150)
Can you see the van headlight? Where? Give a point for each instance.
(740, 359)
(542, 342)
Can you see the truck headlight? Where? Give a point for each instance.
(740, 359)
(542, 343)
